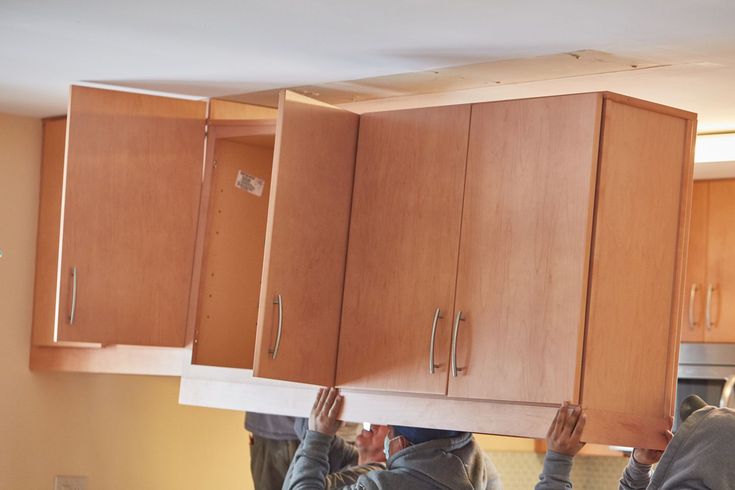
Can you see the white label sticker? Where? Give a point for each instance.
(246, 182)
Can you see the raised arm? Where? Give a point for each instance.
(563, 442)
(310, 466)
(637, 474)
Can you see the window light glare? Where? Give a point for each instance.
(715, 148)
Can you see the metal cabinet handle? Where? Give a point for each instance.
(727, 392)
(455, 330)
(437, 316)
(708, 311)
(278, 301)
(73, 295)
(692, 297)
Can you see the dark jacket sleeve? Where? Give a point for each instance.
(556, 472)
(636, 476)
(311, 464)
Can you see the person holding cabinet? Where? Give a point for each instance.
(417, 459)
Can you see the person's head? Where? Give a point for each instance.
(400, 437)
(369, 444)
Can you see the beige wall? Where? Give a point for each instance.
(123, 432)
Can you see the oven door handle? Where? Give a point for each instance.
(727, 392)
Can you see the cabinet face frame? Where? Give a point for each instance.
(306, 241)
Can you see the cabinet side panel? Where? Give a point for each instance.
(306, 240)
(133, 180)
(233, 260)
(524, 252)
(695, 288)
(49, 214)
(631, 345)
(721, 261)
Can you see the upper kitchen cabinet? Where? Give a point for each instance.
(558, 276)
(710, 309)
(274, 218)
(693, 319)
(119, 266)
(404, 238)
(720, 293)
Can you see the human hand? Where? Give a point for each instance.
(652, 456)
(324, 413)
(566, 431)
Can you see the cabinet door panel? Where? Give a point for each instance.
(524, 253)
(132, 182)
(721, 261)
(404, 238)
(306, 241)
(692, 322)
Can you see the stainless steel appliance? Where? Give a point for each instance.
(707, 370)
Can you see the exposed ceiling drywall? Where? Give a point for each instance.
(226, 47)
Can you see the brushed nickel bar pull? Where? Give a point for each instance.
(692, 297)
(708, 311)
(437, 316)
(73, 311)
(455, 331)
(278, 301)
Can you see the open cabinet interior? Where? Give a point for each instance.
(240, 161)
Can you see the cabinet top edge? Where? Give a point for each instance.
(648, 105)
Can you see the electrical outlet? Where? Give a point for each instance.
(62, 482)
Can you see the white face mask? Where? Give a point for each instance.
(386, 446)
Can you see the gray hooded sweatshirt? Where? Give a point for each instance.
(457, 463)
(701, 456)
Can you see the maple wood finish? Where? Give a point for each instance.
(225, 110)
(695, 293)
(306, 240)
(526, 225)
(721, 262)
(132, 181)
(47, 245)
(636, 283)
(404, 237)
(230, 276)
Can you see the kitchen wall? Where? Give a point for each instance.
(122, 432)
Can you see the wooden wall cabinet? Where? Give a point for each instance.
(564, 282)
(294, 230)
(709, 310)
(465, 267)
(117, 234)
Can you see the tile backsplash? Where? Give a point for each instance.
(520, 470)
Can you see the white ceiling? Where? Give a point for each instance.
(227, 47)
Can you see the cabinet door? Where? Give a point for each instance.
(524, 253)
(306, 241)
(402, 260)
(692, 329)
(132, 182)
(721, 262)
